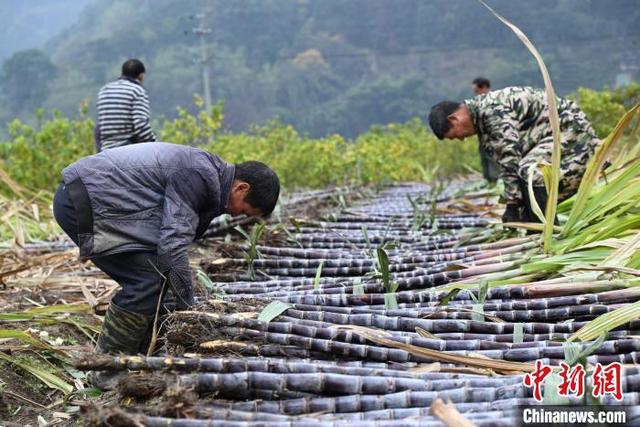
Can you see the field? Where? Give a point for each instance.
(388, 292)
(352, 304)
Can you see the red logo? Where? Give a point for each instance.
(572, 380)
(536, 378)
(605, 380)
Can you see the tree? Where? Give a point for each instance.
(25, 79)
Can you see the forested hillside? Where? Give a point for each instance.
(324, 66)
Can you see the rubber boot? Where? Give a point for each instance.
(160, 349)
(122, 333)
(167, 306)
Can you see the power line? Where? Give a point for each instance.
(201, 31)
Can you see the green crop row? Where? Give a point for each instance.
(34, 155)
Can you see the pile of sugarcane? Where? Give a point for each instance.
(378, 310)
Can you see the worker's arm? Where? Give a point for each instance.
(185, 192)
(504, 146)
(141, 119)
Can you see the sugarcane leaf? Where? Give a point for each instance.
(449, 414)
(518, 333)
(316, 280)
(607, 322)
(571, 352)
(390, 301)
(383, 262)
(365, 235)
(550, 395)
(620, 257)
(358, 287)
(426, 334)
(204, 280)
(241, 230)
(532, 197)
(380, 338)
(33, 341)
(16, 317)
(473, 297)
(477, 312)
(554, 121)
(577, 355)
(593, 170)
(483, 288)
(48, 378)
(273, 310)
(451, 295)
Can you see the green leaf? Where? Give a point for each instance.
(204, 280)
(483, 288)
(60, 308)
(316, 280)
(571, 352)
(477, 312)
(574, 355)
(366, 238)
(390, 301)
(33, 341)
(51, 380)
(383, 262)
(607, 322)
(554, 121)
(550, 394)
(518, 333)
(451, 295)
(241, 230)
(358, 287)
(273, 310)
(593, 170)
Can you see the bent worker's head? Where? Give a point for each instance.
(134, 69)
(481, 85)
(451, 120)
(255, 190)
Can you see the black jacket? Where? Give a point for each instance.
(153, 196)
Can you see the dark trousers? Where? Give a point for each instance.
(141, 283)
(489, 167)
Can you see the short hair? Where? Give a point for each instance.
(132, 68)
(265, 185)
(439, 117)
(482, 82)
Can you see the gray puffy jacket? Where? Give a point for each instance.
(152, 196)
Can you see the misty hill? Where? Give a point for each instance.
(328, 65)
(30, 23)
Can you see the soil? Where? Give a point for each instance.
(58, 278)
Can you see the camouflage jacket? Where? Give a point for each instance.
(513, 120)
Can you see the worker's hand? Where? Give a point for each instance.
(512, 213)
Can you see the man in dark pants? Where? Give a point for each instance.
(513, 126)
(135, 210)
(482, 86)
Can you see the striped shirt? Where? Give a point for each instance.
(123, 114)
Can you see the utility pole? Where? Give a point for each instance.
(201, 31)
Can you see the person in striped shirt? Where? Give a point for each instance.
(123, 110)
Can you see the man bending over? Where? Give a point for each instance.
(135, 210)
(513, 126)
